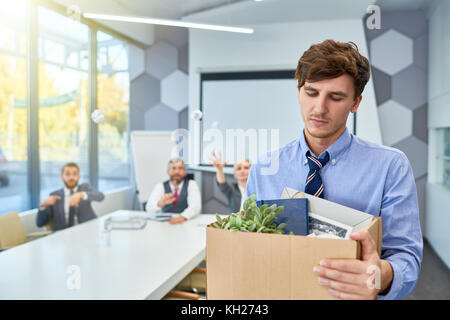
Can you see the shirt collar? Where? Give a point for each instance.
(67, 191)
(339, 146)
(179, 186)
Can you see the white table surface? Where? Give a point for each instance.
(139, 264)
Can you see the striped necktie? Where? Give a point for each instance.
(176, 196)
(314, 183)
(72, 209)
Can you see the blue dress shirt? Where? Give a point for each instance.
(364, 176)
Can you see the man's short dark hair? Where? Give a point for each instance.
(69, 164)
(331, 59)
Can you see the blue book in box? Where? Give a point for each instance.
(295, 214)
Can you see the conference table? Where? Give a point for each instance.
(77, 263)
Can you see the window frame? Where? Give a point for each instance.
(32, 58)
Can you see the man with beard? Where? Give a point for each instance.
(176, 195)
(70, 205)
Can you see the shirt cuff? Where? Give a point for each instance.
(85, 196)
(188, 214)
(396, 285)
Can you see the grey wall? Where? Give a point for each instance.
(398, 54)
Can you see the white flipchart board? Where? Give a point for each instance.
(151, 151)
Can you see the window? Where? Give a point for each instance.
(446, 157)
(13, 110)
(62, 118)
(63, 98)
(439, 172)
(113, 99)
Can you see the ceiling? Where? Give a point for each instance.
(277, 11)
(233, 12)
(172, 9)
(403, 5)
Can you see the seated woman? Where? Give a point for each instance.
(235, 191)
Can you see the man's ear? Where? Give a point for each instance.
(356, 104)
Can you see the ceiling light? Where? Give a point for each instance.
(164, 22)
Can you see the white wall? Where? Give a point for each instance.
(438, 197)
(276, 46)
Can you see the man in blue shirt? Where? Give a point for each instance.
(329, 162)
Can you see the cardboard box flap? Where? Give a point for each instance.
(348, 216)
(375, 231)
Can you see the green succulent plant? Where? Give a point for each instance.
(253, 218)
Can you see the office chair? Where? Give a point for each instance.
(50, 226)
(12, 231)
(192, 287)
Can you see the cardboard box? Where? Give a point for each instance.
(247, 265)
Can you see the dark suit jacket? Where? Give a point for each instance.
(233, 195)
(84, 211)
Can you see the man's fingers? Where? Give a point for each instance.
(340, 286)
(57, 197)
(368, 246)
(340, 276)
(173, 221)
(345, 295)
(176, 220)
(344, 265)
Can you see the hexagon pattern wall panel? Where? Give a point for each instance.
(137, 118)
(410, 23)
(183, 118)
(161, 117)
(391, 52)
(420, 119)
(409, 87)
(136, 62)
(145, 92)
(418, 151)
(399, 57)
(421, 52)
(395, 122)
(162, 65)
(174, 90)
(162, 59)
(183, 56)
(383, 89)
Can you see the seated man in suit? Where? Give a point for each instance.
(176, 195)
(235, 191)
(69, 205)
